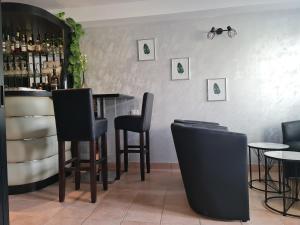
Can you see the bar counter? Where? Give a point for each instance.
(32, 151)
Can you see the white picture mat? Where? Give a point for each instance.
(151, 44)
(221, 84)
(185, 62)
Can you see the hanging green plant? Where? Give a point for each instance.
(77, 66)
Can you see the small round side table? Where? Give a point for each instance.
(259, 148)
(288, 160)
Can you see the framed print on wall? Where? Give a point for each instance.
(180, 68)
(146, 49)
(217, 89)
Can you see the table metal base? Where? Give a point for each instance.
(294, 200)
(276, 189)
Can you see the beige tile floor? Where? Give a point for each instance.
(158, 200)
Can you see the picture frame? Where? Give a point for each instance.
(217, 89)
(180, 68)
(146, 49)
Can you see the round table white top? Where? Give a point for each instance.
(283, 155)
(268, 145)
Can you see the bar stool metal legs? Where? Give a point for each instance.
(94, 147)
(118, 155)
(93, 183)
(142, 156)
(104, 171)
(125, 151)
(142, 149)
(62, 176)
(76, 154)
(148, 151)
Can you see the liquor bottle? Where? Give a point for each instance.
(38, 46)
(12, 45)
(23, 44)
(30, 45)
(54, 80)
(7, 45)
(46, 44)
(53, 46)
(17, 43)
(3, 44)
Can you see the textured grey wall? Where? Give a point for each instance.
(261, 65)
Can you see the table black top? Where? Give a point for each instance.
(27, 93)
(113, 95)
(41, 93)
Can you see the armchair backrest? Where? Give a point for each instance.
(291, 131)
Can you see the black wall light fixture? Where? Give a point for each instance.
(230, 32)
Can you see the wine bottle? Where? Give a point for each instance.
(7, 45)
(17, 42)
(46, 44)
(30, 45)
(54, 80)
(38, 46)
(23, 44)
(12, 45)
(3, 44)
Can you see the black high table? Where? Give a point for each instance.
(100, 106)
(100, 101)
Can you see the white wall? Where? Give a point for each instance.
(262, 65)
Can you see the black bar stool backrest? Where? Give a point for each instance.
(74, 114)
(147, 110)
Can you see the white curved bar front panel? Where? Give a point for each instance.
(32, 148)
(38, 106)
(33, 171)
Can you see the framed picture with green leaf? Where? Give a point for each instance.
(181, 68)
(146, 49)
(217, 89)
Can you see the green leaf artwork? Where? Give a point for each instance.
(180, 69)
(146, 49)
(217, 90)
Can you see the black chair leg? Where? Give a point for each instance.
(76, 154)
(62, 176)
(125, 150)
(104, 163)
(93, 182)
(142, 156)
(118, 155)
(148, 151)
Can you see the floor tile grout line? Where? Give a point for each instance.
(84, 220)
(164, 205)
(125, 214)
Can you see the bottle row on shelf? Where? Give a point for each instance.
(34, 72)
(47, 82)
(26, 43)
(19, 65)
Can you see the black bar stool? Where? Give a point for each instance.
(135, 123)
(75, 121)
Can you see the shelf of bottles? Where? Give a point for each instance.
(32, 61)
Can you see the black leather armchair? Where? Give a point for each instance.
(291, 137)
(213, 165)
(193, 122)
(291, 134)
